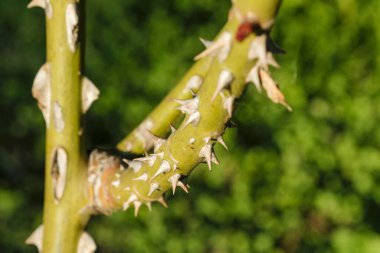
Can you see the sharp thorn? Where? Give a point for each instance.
(162, 202)
(221, 141)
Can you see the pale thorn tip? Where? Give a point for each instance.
(131, 199)
(221, 47)
(157, 141)
(188, 106)
(193, 118)
(180, 184)
(172, 129)
(228, 105)
(164, 168)
(125, 206)
(221, 141)
(206, 43)
(206, 152)
(149, 205)
(86, 244)
(41, 91)
(134, 164)
(162, 202)
(254, 77)
(175, 161)
(90, 93)
(143, 177)
(272, 89)
(194, 83)
(226, 77)
(271, 60)
(214, 159)
(258, 49)
(153, 187)
(36, 238)
(137, 205)
(174, 180)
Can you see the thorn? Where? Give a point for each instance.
(194, 83)
(137, 205)
(206, 152)
(143, 177)
(125, 206)
(89, 93)
(206, 43)
(258, 48)
(149, 205)
(180, 184)
(273, 92)
(149, 159)
(221, 47)
(37, 3)
(164, 168)
(72, 26)
(162, 202)
(228, 104)
(41, 91)
(134, 164)
(36, 238)
(193, 118)
(214, 159)
(271, 60)
(221, 141)
(131, 199)
(153, 187)
(253, 76)
(172, 128)
(86, 243)
(175, 162)
(157, 141)
(225, 79)
(174, 180)
(188, 106)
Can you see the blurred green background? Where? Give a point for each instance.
(304, 181)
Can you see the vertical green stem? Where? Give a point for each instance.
(63, 223)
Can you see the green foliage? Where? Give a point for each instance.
(304, 181)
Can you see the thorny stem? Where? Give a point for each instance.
(233, 64)
(159, 120)
(225, 67)
(63, 222)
